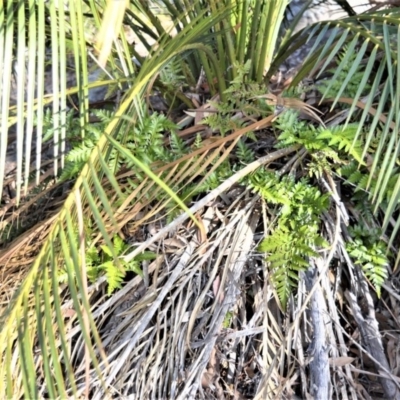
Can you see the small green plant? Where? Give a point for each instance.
(146, 141)
(333, 142)
(369, 252)
(228, 115)
(244, 154)
(332, 87)
(83, 147)
(99, 263)
(172, 75)
(295, 236)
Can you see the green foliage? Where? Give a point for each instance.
(331, 87)
(330, 141)
(178, 146)
(244, 154)
(324, 146)
(296, 235)
(82, 147)
(98, 264)
(247, 33)
(368, 251)
(363, 184)
(172, 75)
(100, 261)
(342, 139)
(329, 148)
(198, 141)
(146, 141)
(228, 115)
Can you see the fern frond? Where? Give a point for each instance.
(244, 154)
(369, 252)
(115, 276)
(296, 237)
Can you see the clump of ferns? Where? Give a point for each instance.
(146, 141)
(344, 81)
(106, 261)
(367, 250)
(230, 115)
(366, 247)
(295, 235)
(331, 146)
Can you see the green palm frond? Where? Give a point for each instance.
(374, 40)
(34, 318)
(50, 333)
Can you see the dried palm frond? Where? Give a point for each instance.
(289, 103)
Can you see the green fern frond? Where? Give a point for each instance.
(242, 71)
(267, 185)
(344, 139)
(105, 116)
(244, 154)
(147, 139)
(284, 285)
(331, 87)
(178, 146)
(197, 142)
(114, 275)
(369, 252)
(328, 141)
(296, 237)
(105, 264)
(172, 75)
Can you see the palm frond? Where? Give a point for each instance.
(373, 38)
(207, 293)
(64, 248)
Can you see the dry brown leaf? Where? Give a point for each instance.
(206, 380)
(200, 113)
(288, 103)
(341, 361)
(174, 242)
